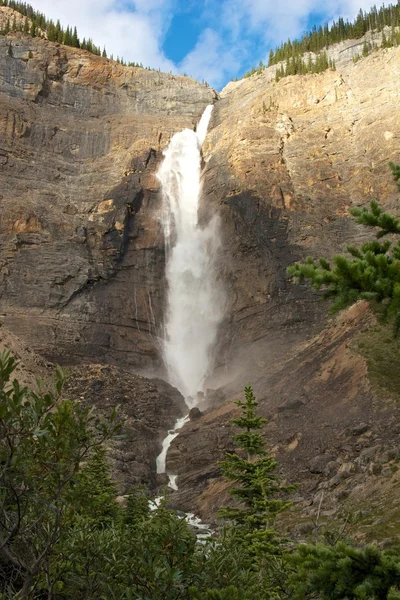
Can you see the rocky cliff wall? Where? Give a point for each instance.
(81, 260)
(81, 265)
(284, 162)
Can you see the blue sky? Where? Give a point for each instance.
(211, 40)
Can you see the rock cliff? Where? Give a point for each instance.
(81, 265)
(284, 162)
(82, 259)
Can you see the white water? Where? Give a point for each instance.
(195, 300)
(172, 433)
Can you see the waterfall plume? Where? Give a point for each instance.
(195, 299)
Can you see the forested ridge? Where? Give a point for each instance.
(37, 24)
(319, 39)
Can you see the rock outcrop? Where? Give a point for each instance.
(284, 162)
(145, 407)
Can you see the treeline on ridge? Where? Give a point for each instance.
(318, 39)
(36, 24)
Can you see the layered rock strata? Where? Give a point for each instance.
(82, 258)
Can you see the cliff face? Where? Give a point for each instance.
(81, 265)
(82, 259)
(284, 162)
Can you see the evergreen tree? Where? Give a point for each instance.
(9, 50)
(271, 59)
(75, 39)
(342, 571)
(94, 494)
(258, 485)
(373, 272)
(67, 41)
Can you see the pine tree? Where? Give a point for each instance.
(258, 485)
(342, 571)
(94, 494)
(372, 272)
(67, 37)
(75, 39)
(271, 58)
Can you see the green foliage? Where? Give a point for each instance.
(93, 494)
(342, 571)
(298, 66)
(373, 272)
(259, 489)
(43, 440)
(63, 536)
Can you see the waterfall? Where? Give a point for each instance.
(195, 299)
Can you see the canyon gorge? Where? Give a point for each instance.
(83, 258)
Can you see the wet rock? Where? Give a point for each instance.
(146, 407)
(195, 413)
(162, 481)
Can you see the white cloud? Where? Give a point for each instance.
(276, 21)
(211, 59)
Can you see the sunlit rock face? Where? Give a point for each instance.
(283, 164)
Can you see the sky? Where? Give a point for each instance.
(210, 40)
